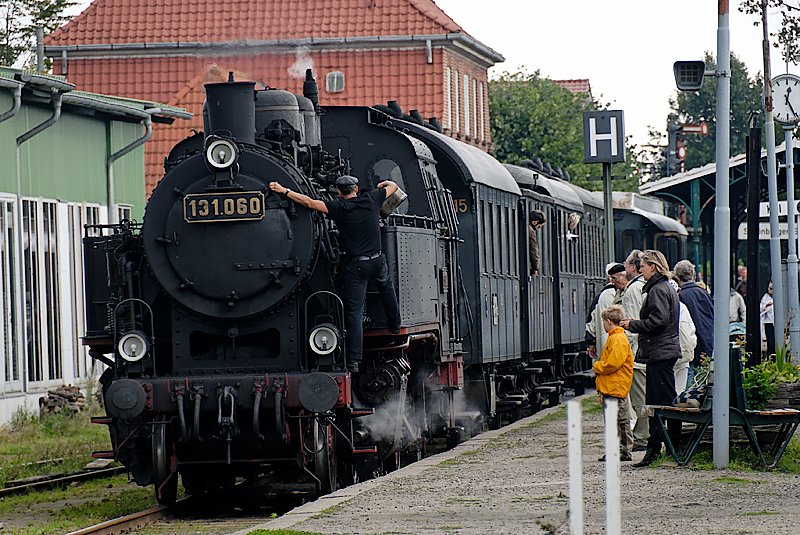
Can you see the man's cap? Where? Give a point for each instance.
(346, 181)
(610, 265)
(615, 268)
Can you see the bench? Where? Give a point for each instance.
(786, 420)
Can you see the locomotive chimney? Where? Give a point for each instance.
(310, 90)
(230, 109)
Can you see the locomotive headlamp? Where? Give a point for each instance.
(221, 153)
(133, 346)
(324, 339)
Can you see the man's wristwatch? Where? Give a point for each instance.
(287, 192)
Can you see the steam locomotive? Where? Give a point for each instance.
(221, 320)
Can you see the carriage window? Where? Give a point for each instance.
(486, 221)
(512, 250)
(502, 243)
(496, 247)
(387, 169)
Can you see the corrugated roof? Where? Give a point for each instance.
(153, 21)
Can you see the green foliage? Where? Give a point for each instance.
(788, 33)
(532, 117)
(19, 20)
(742, 459)
(760, 381)
(694, 107)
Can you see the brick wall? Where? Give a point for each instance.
(466, 114)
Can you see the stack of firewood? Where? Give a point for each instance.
(65, 398)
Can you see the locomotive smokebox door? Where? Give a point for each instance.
(319, 392)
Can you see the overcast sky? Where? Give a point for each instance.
(625, 48)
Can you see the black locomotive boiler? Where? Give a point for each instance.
(221, 321)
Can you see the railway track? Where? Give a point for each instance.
(61, 481)
(245, 506)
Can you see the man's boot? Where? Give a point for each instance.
(649, 458)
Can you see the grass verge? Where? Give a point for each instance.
(80, 505)
(55, 443)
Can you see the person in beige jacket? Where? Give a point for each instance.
(632, 303)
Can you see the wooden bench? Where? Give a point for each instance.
(786, 420)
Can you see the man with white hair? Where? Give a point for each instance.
(610, 295)
(632, 303)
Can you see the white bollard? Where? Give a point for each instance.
(613, 508)
(574, 432)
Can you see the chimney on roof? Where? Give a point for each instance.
(230, 77)
(434, 121)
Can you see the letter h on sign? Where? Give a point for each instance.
(603, 136)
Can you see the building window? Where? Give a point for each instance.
(466, 105)
(42, 290)
(334, 82)
(456, 114)
(448, 109)
(79, 215)
(476, 133)
(123, 212)
(481, 119)
(8, 293)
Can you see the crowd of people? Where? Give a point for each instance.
(648, 330)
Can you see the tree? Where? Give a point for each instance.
(532, 117)
(693, 107)
(19, 20)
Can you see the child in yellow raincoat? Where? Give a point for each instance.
(614, 372)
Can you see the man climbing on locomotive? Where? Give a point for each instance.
(356, 217)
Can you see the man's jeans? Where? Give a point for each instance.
(357, 274)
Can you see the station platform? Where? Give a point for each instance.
(515, 480)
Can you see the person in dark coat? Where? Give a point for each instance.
(659, 345)
(701, 308)
(536, 220)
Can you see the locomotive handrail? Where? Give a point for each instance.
(152, 326)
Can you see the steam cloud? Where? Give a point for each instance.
(303, 62)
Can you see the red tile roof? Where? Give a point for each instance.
(576, 86)
(170, 21)
(407, 78)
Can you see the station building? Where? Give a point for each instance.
(362, 52)
(67, 159)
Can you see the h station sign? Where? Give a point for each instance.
(603, 136)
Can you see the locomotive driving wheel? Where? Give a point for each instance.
(164, 477)
(324, 456)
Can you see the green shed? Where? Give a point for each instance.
(67, 158)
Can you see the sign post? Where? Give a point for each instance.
(604, 142)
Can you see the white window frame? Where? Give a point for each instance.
(466, 105)
(15, 384)
(448, 103)
(457, 122)
(481, 114)
(124, 211)
(81, 364)
(331, 80)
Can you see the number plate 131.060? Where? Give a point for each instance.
(216, 207)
